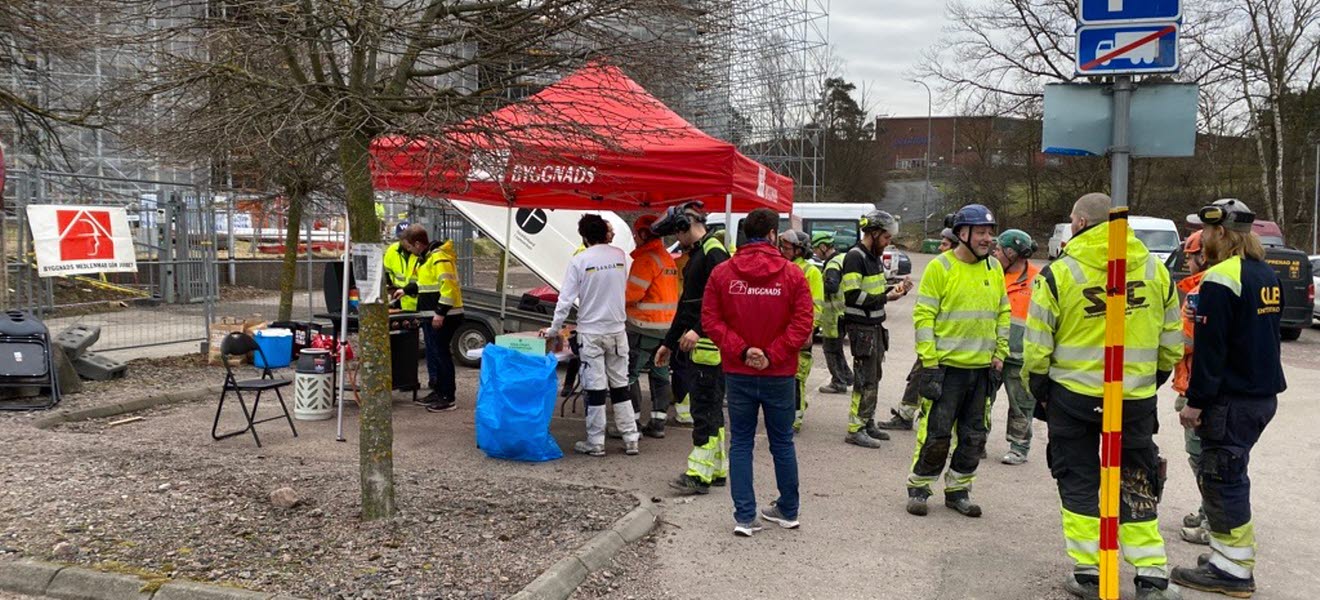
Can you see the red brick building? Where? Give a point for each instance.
(901, 141)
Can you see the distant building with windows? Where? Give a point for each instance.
(956, 141)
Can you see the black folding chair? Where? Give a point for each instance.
(27, 359)
(239, 344)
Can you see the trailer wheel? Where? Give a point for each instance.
(471, 335)
(1290, 335)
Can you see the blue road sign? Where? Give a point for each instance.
(1093, 12)
(1127, 49)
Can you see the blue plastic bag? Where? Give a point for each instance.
(515, 401)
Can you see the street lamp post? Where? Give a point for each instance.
(925, 192)
(1315, 208)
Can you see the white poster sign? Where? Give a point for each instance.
(74, 240)
(369, 271)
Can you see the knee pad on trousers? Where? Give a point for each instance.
(976, 441)
(936, 450)
(1141, 489)
(1220, 465)
(620, 394)
(597, 397)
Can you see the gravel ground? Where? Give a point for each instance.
(632, 575)
(145, 377)
(179, 507)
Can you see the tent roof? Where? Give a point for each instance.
(596, 140)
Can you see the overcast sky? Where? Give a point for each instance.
(881, 40)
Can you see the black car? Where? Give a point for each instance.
(1294, 270)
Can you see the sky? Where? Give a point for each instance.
(880, 41)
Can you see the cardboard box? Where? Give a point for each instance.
(527, 342)
(221, 329)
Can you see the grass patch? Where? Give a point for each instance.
(152, 580)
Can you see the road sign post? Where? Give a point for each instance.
(1120, 38)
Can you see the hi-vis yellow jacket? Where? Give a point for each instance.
(1066, 321)
(437, 281)
(962, 313)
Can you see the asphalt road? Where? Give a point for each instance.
(856, 539)
(906, 199)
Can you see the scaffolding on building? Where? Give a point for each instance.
(766, 60)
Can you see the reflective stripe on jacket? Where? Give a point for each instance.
(438, 289)
(1019, 298)
(816, 283)
(652, 296)
(1182, 372)
(401, 268)
(701, 261)
(1066, 320)
(863, 287)
(833, 310)
(962, 313)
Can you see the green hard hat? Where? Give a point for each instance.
(822, 237)
(1018, 241)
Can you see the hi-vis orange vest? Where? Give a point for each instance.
(652, 297)
(1182, 372)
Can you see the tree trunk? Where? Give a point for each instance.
(1261, 156)
(289, 270)
(375, 425)
(1277, 112)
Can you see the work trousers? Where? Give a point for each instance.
(748, 395)
(707, 461)
(805, 361)
(868, 350)
(641, 358)
(1073, 454)
(961, 407)
(1229, 430)
(681, 376)
(1020, 408)
(605, 376)
(911, 401)
(1191, 441)
(835, 359)
(439, 360)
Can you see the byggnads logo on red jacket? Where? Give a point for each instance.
(740, 288)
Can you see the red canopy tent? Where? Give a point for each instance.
(596, 140)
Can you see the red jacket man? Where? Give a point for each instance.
(758, 311)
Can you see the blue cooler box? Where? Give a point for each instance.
(277, 347)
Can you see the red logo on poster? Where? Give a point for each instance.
(85, 234)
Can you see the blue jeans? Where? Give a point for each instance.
(776, 396)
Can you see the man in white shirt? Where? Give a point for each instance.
(597, 280)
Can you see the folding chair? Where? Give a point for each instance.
(26, 359)
(239, 343)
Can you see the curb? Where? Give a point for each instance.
(562, 578)
(50, 580)
(128, 406)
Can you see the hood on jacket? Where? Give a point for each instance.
(758, 261)
(1091, 248)
(446, 248)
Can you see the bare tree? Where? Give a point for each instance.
(410, 68)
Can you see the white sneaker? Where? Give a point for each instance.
(585, 447)
(630, 448)
(747, 529)
(1013, 458)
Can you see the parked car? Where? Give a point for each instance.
(1062, 233)
(1315, 282)
(1159, 235)
(1296, 273)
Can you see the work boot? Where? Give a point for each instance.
(874, 431)
(833, 387)
(655, 428)
(1147, 591)
(1196, 535)
(719, 481)
(688, 485)
(963, 504)
(1193, 520)
(678, 421)
(1207, 578)
(1088, 588)
(897, 422)
(859, 438)
(916, 504)
(1014, 458)
(588, 448)
(630, 448)
(613, 432)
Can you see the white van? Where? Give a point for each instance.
(839, 218)
(1159, 235)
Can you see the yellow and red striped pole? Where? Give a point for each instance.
(1111, 436)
